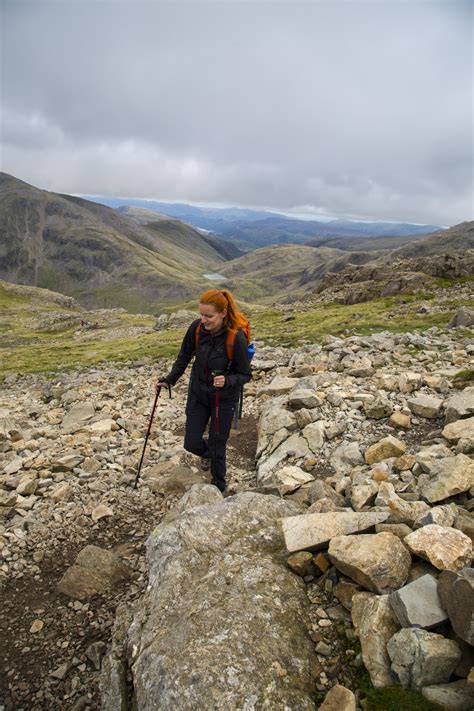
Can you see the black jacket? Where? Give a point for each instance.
(211, 356)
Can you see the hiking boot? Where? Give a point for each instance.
(205, 464)
(228, 492)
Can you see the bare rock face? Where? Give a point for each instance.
(314, 531)
(420, 658)
(223, 624)
(95, 571)
(445, 548)
(375, 624)
(379, 561)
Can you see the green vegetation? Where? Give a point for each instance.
(32, 341)
(464, 375)
(392, 698)
(383, 314)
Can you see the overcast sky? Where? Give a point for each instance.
(355, 108)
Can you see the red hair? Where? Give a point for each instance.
(223, 300)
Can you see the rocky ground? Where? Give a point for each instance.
(68, 453)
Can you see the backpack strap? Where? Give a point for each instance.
(229, 343)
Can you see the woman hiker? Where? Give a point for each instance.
(221, 366)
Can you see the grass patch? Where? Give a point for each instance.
(464, 375)
(392, 698)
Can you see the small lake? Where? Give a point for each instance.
(214, 276)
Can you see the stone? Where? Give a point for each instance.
(67, 463)
(278, 386)
(420, 658)
(426, 406)
(448, 477)
(441, 515)
(465, 522)
(375, 624)
(400, 421)
(379, 562)
(27, 486)
(400, 530)
(63, 492)
(418, 604)
(314, 531)
(461, 429)
(77, 415)
(314, 435)
(300, 563)
(401, 511)
(61, 672)
(320, 489)
(101, 511)
(363, 495)
(295, 446)
(456, 591)
(200, 638)
(344, 591)
(95, 652)
(384, 449)
(445, 548)
(346, 456)
(463, 317)
(36, 626)
(339, 699)
(167, 478)
(103, 426)
(95, 571)
(460, 405)
(303, 397)
(378, 407)
(457, 696)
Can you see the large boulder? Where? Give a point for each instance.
(459, 429)
(449, 476)
(445, 548)
(457, 696)
(375, 624)
(379, 561)
(223, 623)
(420, 658)
(95, 571)
(418, 604)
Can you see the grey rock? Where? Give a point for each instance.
(426, 406)
(314, 531)
(95, 571)
(375, 624)
(420, 658)
(448, 477)
(346, 456)
(418, 604)
(462, 318)
(457, 696)
(456, 591)
(460, 405)
(379, 562)
(339, 699)
(198, 639)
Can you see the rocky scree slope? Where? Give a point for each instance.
(364, 428)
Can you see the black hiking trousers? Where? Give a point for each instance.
(198, 415)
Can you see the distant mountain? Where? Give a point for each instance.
(251, 229)
(454, 239)
(91, 252)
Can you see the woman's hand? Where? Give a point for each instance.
(161, 384)
(219, 381)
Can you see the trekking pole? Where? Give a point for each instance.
(158, 391)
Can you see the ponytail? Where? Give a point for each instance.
(223, 300)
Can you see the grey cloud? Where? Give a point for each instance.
(361, 108)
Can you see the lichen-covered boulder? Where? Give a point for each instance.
(223, 624)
